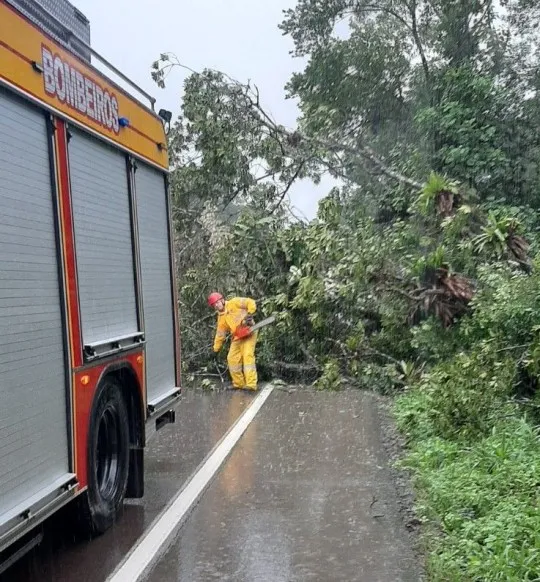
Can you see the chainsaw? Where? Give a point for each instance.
(243, 331)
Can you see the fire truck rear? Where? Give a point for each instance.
(89, 342)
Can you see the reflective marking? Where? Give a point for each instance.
(143, 554)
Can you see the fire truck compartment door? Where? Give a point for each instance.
(152, 215)
(103, 239)
(34, 452)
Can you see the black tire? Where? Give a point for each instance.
(108, 460)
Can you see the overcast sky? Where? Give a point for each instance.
(239, 37)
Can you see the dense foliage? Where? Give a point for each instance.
(419, 276)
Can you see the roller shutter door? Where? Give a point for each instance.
(33, 411)
(103, 239)
(156, 281)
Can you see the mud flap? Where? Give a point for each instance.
(135, 486)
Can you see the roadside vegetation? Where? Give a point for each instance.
(419, 277)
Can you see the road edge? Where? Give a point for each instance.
(154, 542)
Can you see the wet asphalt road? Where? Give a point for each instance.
(171, 457)
(305, 495)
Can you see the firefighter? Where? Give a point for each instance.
(241, 357)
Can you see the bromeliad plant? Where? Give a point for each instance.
(441, 193)
(440, 293)
(502, 237)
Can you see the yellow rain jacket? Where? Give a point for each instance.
(241, 356)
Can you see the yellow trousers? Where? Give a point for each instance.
(241, 361)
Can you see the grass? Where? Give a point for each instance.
(479, 500)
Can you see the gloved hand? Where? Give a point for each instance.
(248, 320)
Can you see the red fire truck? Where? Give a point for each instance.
(89, 341)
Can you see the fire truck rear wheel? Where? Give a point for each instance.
(108, 459)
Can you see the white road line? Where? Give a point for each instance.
(142, 556)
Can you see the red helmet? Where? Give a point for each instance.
(213, 298)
